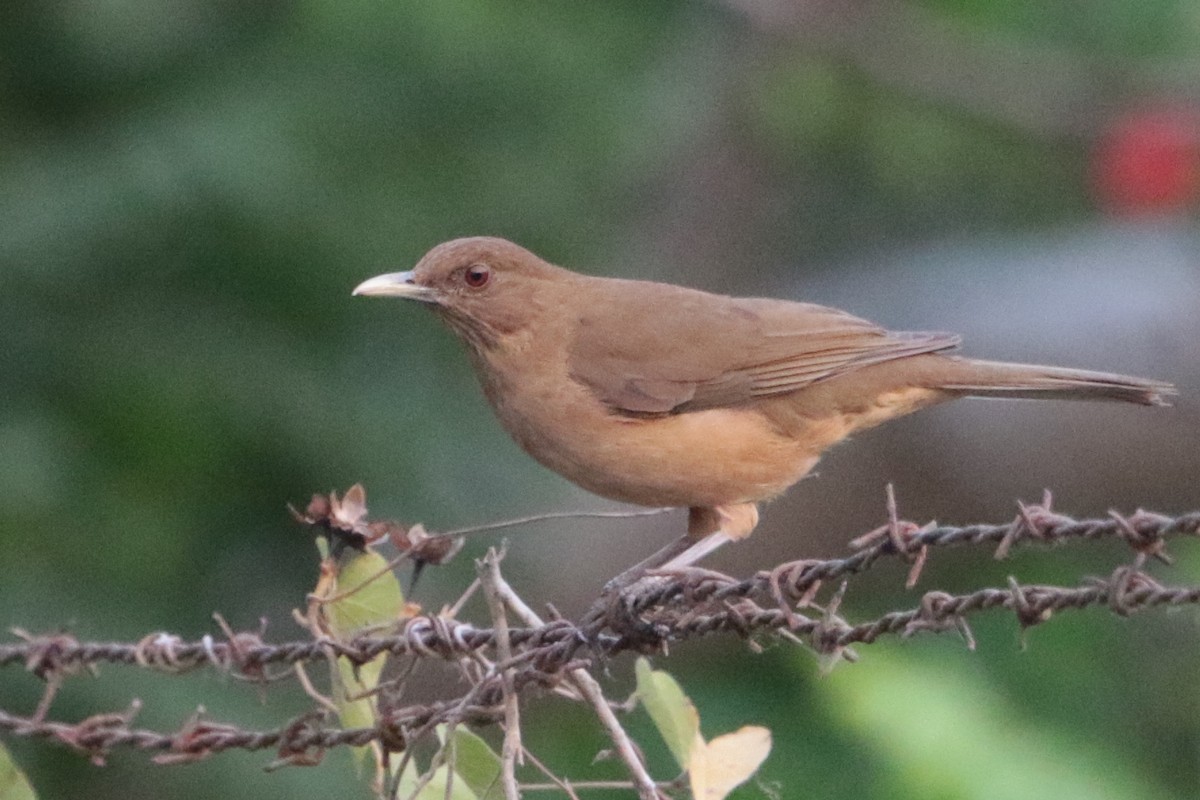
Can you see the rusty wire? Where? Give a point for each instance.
(1128, 591)
(432, 636)
(647, 616)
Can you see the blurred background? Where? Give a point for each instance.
(189, 189)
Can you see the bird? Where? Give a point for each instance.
(660, 395)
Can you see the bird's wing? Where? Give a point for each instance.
(652, 348)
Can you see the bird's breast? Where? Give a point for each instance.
(701, 458)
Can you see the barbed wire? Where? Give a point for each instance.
(434, 636)
(646, 617)
(1128, 591)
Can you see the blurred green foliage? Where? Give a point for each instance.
(190, 188)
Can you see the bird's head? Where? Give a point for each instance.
(482, 286)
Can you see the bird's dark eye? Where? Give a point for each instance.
(477, 276)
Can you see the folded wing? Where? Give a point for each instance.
(710, 351)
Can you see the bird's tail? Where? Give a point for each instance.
(1030, 382)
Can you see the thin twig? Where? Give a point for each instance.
(549, 787)
(591, 691)
(453, 611)
(530, 617)
(564, 785)
(310, 690)
(646, 788)
(489, 571)
(512, 523)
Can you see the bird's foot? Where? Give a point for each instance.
(629, 607)
(619, 602)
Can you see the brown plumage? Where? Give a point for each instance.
(660, 395)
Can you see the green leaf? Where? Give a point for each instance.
(358, 713)
(476, 763)
(673, 713)
(436, 788)
(13, 783)
(372, 597)
(377, 602)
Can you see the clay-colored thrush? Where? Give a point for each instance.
(658, 395)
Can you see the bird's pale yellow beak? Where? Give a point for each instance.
(395, 284)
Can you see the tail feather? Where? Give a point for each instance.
(1032, 382)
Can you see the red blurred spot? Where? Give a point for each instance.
(1149, 161)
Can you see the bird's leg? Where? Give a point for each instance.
(708, 529)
